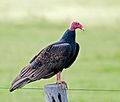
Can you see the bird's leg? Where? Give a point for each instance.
(59, 80)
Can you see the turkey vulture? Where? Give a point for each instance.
(51, 60)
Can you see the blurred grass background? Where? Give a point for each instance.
(27, 26)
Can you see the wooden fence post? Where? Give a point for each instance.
(55, 93)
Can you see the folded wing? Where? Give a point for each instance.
(46, 64)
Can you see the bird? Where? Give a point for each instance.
(51, 60)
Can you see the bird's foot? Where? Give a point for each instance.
(62, 82)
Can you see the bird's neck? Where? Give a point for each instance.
(69, 36)
(72, 28)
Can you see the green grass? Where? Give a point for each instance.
(25, 30)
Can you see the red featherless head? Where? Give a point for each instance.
(76, 25)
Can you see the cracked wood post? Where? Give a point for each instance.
(55, 93)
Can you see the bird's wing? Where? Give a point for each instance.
(48, 62)
(70, 62)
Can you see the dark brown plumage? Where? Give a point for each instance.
(49, 61)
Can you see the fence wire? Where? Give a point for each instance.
(71, 89)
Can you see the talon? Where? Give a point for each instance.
(62, 82)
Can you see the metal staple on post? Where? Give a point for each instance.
(54, 93)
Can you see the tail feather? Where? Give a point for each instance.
(19, 82)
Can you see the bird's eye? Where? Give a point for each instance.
(75, 23)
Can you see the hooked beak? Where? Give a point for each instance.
(83, 29)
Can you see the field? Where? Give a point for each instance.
(27, 26)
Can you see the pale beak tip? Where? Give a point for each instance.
(83, 29)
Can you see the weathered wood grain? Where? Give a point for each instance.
(55, 93)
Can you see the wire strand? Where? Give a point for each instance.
(77, 89)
